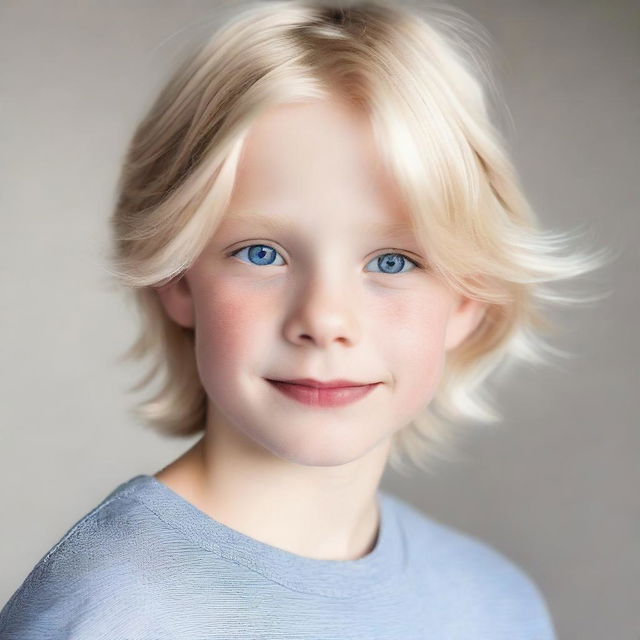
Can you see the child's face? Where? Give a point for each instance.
(310, 299)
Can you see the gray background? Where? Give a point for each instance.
(554, 488)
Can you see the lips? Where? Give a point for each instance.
(329, 384)
(327, 395)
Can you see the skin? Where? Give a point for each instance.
(302, 478)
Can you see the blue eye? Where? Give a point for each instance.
(395, 262)
(264, 255)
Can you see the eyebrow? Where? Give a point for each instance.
(273, 224)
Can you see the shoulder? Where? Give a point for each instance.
(465, 569)
(91, 581)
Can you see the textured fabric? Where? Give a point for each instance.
(147, 564)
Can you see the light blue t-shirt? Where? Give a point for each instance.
(146, 564)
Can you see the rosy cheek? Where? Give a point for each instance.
(228, 325)
(412, 334)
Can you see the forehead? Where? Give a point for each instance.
(317, 159)
(282, 224)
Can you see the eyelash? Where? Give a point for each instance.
(394, 252)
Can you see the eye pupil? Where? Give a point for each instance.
(265, 255)
(391, 260)
(259, 252)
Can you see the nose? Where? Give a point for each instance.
(324, 311)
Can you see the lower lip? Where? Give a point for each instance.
(328, 397)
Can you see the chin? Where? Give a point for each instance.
(323, 450)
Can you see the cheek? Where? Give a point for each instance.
(412, 336)
(228, 332)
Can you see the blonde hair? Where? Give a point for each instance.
(418, 78)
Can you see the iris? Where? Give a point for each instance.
(264, 255)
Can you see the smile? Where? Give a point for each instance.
(319, 397)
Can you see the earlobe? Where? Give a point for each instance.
(463, 320)
(175, 296)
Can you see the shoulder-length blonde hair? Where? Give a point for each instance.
(415, 74)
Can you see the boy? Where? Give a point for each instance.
(324, 239)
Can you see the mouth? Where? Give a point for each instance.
(331, 394)
(338, 383)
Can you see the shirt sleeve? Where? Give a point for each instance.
(519, 607)
(56, 602)
(505, 600)
(535, 612)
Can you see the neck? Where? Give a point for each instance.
(328, 513)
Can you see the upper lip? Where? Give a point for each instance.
(338, 382)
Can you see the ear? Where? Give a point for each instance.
(465, 317)
(175, 296)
